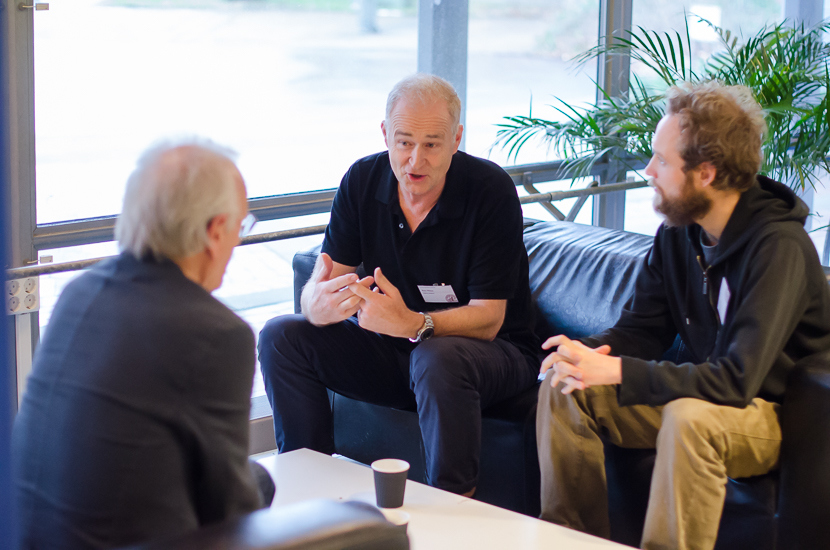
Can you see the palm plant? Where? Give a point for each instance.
(785, 66)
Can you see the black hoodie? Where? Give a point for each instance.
(777, 307)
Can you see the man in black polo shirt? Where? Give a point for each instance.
(447, 326)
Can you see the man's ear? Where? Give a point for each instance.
(458, 135)
(216, 229)
(383, 129)
(707, 173)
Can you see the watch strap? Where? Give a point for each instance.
(426, 330)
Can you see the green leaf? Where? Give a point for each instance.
(785, 66)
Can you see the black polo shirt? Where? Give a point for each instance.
(471, 239)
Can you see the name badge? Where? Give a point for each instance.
(438, 294)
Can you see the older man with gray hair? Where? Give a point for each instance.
(134, 424)
(447, 328)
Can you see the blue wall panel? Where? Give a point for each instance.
(8, 388)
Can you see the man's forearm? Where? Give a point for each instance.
(481, 320)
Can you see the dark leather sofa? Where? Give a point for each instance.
(580, 277)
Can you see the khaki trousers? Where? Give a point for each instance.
(698, 446)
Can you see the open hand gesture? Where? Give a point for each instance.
(330, 300)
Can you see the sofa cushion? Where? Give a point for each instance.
(581, 275)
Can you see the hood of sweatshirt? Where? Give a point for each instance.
(767, 201)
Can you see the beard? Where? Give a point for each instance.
(690, 206)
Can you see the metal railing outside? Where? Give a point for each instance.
(101, 229)
(268, 208)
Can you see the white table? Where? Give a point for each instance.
(438, 519)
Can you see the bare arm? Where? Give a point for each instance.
(480, 319)
(384, 311)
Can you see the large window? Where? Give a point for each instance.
(520, 55)
(520, 60)
(297, 87)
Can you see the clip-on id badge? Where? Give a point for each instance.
(438, 294)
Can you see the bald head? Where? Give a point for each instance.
(171, 196)
(425, 89)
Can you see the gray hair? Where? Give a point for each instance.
(425, 88)
(175, 190)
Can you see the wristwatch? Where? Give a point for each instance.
(426, 331)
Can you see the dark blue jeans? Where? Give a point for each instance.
(450, 379)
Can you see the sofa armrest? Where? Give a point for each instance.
(303, 265)
(311, 525)
(804, 499)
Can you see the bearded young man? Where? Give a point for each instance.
(733, 274)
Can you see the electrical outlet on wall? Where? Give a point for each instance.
(22, 296)
(30, 284)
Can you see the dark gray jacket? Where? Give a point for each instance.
(134, 424)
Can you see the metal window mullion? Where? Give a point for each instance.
(18, 97)
(808, 12)
(442, 44)
(19, 102)
(613, 80)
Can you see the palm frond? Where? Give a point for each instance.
(785, 66)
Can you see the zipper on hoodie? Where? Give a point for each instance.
(707, 292)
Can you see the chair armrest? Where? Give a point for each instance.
(804, 500)
(312, 525)
(303, 265)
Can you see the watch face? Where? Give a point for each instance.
(428, 332)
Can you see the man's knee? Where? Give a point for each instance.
(568, 409)
(552, 399)
(281, 330)
(284, 324)
(691, 421)
(441, 363)
(283, 336)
